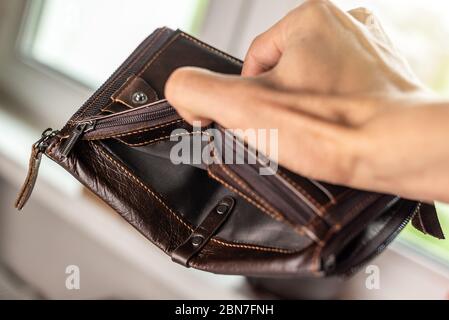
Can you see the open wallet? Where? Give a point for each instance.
(217, 217)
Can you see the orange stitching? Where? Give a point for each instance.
(136, 132)
(216, 51)
(302, 229)
(336, 198)
(105, 109)
(129, 174)
(117, 99)
(322, 208)
(254, 247)
(149, 63)
(154, 58)
(316, 255)
(301, 190)
(253, 202)
(266, 205)
(156, 37)
(336, 228)
(229, 244)
(161, 139)
(270, 211)
(245, 188)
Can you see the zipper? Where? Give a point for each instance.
(124, 120)
(121, 123)
(127, 121)
(405, 220)
(38, 148)
(297, 207)
(76, 134)
(385, 244)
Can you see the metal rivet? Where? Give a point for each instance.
(139, 98)
(224, 205)
(221, 208)
(197, 240)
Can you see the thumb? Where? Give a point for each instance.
(202, 95)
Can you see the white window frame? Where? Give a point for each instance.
(41, 95)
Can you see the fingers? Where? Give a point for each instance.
(200, 94)
(267, 48)
(308, 145)
(184, 90)
(264, 52)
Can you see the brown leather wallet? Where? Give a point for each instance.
(217, 217)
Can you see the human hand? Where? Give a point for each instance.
(347, 108)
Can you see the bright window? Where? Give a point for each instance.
(420, 30)
(88, 39)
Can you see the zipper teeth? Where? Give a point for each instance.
(127, 119)
(385, 244)
(153, 115)
(309, 205)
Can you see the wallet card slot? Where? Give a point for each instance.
(248, 166)
(312, 197)
(273, 192)
(191, 193)
(367, 235)
(323, 194)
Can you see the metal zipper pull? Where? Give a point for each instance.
(37, 150)
(76, 134)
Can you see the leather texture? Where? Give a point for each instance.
(132, 88)
(277, 225)
(206, 229)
